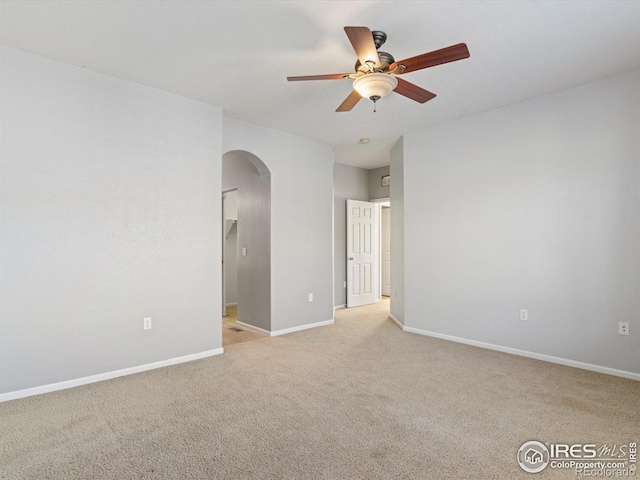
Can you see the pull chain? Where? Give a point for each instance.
(374, 99)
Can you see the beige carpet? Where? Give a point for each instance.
(356, 400)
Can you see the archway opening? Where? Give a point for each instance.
(246, 229)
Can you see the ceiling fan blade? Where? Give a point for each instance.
(350, 102)
(362, 41)
(431, 59)
(413, 92)
(332, 76)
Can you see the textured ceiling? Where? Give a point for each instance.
(237, 55)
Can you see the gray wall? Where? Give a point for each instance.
(110, 200)
(231, 267)
(254, 234)
(537, 206)
(301, 220)
(376, 190)
(348, 183)
(397, 231)
(110, 196)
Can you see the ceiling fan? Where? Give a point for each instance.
(375, 75)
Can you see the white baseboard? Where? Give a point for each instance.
(525, 353)
(338, 307)
(301, 327)
(397, 322)
(76, 382)
(232, 304)
(252, 328)
(276, 333)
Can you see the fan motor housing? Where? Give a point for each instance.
(386, 59)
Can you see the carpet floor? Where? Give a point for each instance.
(359, 399)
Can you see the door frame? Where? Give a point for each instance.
(382, 245)
(382, 202)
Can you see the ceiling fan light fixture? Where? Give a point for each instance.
(375, 85)
(375, 70)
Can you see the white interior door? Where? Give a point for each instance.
(386, 251)
(362, 248)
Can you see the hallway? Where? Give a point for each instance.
(233, 333)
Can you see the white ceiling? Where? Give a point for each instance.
(237, 55)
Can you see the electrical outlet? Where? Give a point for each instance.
(623, 328)
(147, 323)
(345, 284)
(311, 297)
(524, 314)
(244, 251)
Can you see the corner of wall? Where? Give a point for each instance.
(396, 195)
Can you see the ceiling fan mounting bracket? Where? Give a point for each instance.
(379, 38)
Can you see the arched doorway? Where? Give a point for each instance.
(246, 187)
